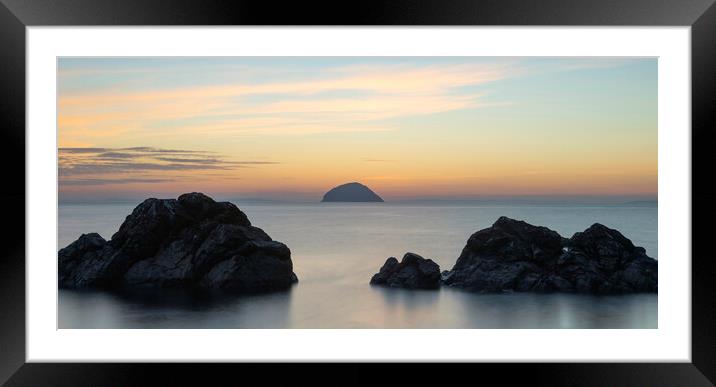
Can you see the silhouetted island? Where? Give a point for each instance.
(351, 192)
(513, 255)
(189, 242)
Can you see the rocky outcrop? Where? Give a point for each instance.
(192, 241)
(412, 272)
(351, 192)
(513, 255)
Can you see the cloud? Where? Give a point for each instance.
(207, 161)
(146, 149)
(83, 182)
(116, 155)
(82, 150)
(136, 149)
(255, 162)
(189, 160)
(342, 99)
(102, 166)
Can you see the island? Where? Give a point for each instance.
(351, 192)
(188, 242)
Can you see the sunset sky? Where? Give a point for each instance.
(408, 127)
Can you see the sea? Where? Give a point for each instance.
(337, 247)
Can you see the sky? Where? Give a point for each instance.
(408, 127)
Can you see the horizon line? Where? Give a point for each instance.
(612, 198)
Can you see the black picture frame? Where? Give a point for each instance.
(16, 15)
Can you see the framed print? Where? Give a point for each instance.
(471, 183)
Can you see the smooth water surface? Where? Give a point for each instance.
(337, 247)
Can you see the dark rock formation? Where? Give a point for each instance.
(513, 255)
(191, 241)
(413, 272)
(351, 192)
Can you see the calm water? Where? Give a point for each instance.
(336, 248)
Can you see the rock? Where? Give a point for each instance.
(86, 261)
(191, 241)
(413, 272)
(351, 192)
(513, 255)
(602, 260)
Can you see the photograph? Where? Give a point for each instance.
(205, 192)
(361, 192)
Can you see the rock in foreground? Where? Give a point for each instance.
(189, 242)
(351, 192)
(413, 272)
(513, 255)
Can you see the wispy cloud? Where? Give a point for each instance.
(350, 98)
(136, 150)
(109, 181)
(92, 166)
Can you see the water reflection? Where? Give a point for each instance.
(315, 307)
(526, 310)
(173, 309)
(407, 299)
